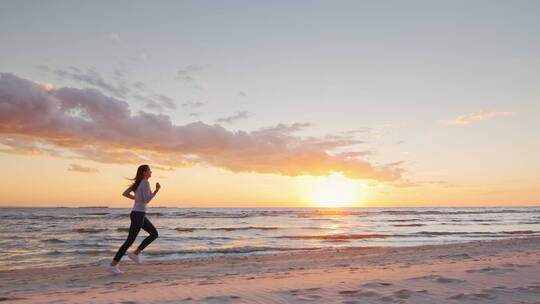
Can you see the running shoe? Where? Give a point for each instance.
(113, 270)
(135, 258)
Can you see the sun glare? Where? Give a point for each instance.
(335, 191)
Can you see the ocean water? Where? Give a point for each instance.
(45, 237)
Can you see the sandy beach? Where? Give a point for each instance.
(501, 271)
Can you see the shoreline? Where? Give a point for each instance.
(259, 254)
(494, 271)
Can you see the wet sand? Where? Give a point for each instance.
(501, 271)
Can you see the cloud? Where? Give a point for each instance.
(156, 102)
(42, 68)
(444, 184)
(381, 131)
(355, 154)
(408, 184)
(27, 146)
(184, 76)
(376, 132)
(85, 124)
(139, 85)
(283, 129)
(162, 168)
(79, 168)
(355, 131)
(236, 116)
(93, 78)
(120, 88)
(404, 184)
(45, 85)
(193, 104)
(187, 73)
(465, 119)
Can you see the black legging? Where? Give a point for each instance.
(138, 221)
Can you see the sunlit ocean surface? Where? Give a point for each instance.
(44, 237)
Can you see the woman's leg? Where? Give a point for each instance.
(148, 227)
(137, 219)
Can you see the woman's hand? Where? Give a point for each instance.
(158, 186)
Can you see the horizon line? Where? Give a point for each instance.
(260, 207)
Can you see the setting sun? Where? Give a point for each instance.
(335, 191)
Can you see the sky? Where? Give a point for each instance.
(271, 103)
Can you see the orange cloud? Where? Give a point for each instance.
(465, 119)
(86, 124)
(407, 184)
(79, 168)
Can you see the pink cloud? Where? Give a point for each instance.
(86, 124)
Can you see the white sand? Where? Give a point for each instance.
(503, 271)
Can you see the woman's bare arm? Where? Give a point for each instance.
(128, 194)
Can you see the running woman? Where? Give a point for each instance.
(143, 195)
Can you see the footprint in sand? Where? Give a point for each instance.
(208, 283)
(359, 293)
(406, 293)
(490, 270)
(403, 294)
(308, 297)
(529, 289)
(438, 279)
(220, 299)
(397, 296)
(308, 294)
(387, 299)
(302, 291)
(376, 284)
(114, 283)
(473, 296)
(516, 265)
(455, 256)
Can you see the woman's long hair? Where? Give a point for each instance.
(138, 177)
